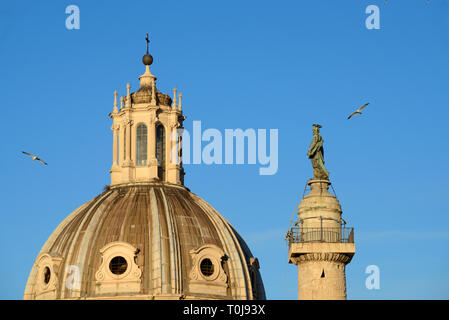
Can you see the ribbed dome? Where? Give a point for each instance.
(169, 242)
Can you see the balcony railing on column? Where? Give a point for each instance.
(334, 235)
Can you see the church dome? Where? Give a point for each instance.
(146, 236)
(152, 240)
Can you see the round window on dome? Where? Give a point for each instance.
(207, 267)
(47, 275)
(118, 265)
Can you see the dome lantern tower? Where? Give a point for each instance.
(146, 139)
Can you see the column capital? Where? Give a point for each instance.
(322, 256)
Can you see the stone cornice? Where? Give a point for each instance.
(322, 256)
(154, 183)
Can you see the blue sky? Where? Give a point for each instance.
(241, 64)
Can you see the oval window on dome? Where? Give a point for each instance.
(47, 275)
(118, 265)
(207, 267)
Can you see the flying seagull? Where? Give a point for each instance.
(34, 157)
(358, 110)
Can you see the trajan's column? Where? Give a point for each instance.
(319, 243)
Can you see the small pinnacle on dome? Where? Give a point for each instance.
(174, 99)
(128, 97)
(115, 102)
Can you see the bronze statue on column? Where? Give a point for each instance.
(316, 154)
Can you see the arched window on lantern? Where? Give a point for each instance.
(160, 151)
(141, 145)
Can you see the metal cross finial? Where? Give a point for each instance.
(148, 41)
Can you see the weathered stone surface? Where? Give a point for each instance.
(166, 225)
(321, 264)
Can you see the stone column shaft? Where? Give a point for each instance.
(128, 142)
(318, 251)
(121, 147)
(151, 149)
(172, 161)
(114, 147)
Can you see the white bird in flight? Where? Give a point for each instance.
(359, 110)
(35, 157)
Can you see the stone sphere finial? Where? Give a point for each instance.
(147, 59)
